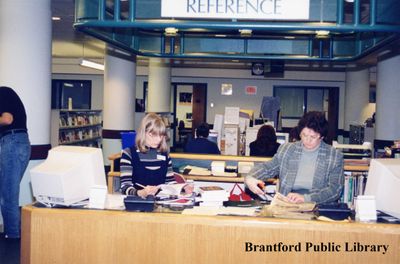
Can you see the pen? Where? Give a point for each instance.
(140, 185)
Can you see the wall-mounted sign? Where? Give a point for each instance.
(226, 89)
(252, 90)
(237, 9)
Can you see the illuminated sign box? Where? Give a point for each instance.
(237, 9)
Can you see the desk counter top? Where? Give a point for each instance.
(98, 236)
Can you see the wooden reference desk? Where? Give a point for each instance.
(96, 236)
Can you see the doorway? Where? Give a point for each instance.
(190, 110)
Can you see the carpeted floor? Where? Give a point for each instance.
(9, 250)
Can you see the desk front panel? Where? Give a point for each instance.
(95, 236)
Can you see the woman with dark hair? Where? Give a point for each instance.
(265, 144)
(309, 169)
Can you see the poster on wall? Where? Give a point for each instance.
(185, 97)
(226, 89)
(251, 90)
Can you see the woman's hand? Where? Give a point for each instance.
(253, 184)
(148, 190)
(295, 198)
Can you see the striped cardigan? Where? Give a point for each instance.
(328, 180)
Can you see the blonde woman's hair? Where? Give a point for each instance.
(154, 124)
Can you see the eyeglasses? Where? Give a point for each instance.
(152, 134)
(310, 137)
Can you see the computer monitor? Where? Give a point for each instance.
(383, 182)
(213, 136)
(282, 138)
(67, 175)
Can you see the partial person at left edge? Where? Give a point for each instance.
(15, 151)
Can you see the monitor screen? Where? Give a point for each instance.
(66, 176)
(282, 138)
(383, 182)
(213, 136)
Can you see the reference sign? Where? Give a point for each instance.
(237, 9)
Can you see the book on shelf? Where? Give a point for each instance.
(354, 185)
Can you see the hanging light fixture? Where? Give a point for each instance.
(91, 64)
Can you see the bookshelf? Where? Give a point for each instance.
(355, 179)
(76, 127)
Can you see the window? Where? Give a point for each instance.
(80, 92)
(295, 101)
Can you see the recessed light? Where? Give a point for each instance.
(171, 31)
(246, 32)
(55, 18)
(322, 33)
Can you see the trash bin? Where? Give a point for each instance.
(128, 139)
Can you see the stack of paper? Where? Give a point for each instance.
(213, 196)
(217, 166)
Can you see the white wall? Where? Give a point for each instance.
(214, 78)
(242, 78)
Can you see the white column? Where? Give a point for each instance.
(25, 60)
(159, 90)
(119, 99)
(25, 66)
(388, 99)
(357, 98)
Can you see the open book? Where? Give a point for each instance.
(171, 189)
(281, 207)
(283, 203)
(174, 188)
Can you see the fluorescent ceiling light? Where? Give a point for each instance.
(245, 32)
(55, 18)
(171, 31)
(91, 64)
(322, 33)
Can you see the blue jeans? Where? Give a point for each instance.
(15, 151)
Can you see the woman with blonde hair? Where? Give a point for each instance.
(147, 165)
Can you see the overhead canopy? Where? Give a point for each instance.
(316, 30)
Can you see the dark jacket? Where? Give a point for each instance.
(202, 146)
(259, 149)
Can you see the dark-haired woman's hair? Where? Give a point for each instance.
(316, 121)
(265, 144)
(294, 134)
